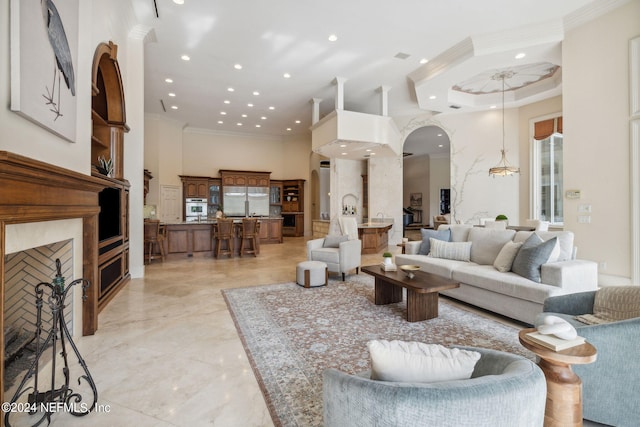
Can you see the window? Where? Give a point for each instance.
(547, 180)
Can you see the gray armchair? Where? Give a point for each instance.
(340, 257)
(504, 390)
(610, 385)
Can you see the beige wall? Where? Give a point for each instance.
(596, 135)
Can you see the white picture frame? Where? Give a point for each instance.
(44, 89)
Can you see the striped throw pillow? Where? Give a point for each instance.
(458, 251)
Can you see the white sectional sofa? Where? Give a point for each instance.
(506, 293)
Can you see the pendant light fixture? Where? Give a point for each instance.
(503, 168)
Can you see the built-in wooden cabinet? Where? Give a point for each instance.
(293, 207)
(275, 193)
(271, 230)
(195, 187)
(245, 178)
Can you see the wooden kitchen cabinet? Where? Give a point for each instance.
(293, 195)
(271, 230)
(245, 178)
(195, 187)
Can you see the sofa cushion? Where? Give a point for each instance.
(486, 277)
(487, 243)
(459, 251)
(459, 232)
(505, 257)
(334, 241)
(417, 362)
(425, 246)
(440, 266)
(533, 253)
(565, 241)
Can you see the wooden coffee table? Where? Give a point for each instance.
(564, 387)
(422, 290)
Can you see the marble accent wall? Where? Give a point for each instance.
(346, 186)
(385, 193)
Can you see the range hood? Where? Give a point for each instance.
(351, 135)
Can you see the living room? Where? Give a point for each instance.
(600, 131)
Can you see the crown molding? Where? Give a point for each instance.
(590, 12)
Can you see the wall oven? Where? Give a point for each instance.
(196, 209)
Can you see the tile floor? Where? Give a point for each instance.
(167, 353)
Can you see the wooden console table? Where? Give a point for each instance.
(564, 387)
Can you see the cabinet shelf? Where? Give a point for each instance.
(99, 142)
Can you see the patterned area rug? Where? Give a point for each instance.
(291, 334)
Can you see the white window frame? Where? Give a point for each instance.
(534, 189)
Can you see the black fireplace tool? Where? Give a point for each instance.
(62, 398)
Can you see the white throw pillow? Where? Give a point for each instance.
(404, 361)
(459, 251)
(505, 257)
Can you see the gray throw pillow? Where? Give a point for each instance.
(334, 241)
(425, 246)
(533, 253)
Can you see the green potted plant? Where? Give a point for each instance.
(502, 217)
(388, 258)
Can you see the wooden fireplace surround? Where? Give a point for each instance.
(34, 191)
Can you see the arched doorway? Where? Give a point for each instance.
(426, 174)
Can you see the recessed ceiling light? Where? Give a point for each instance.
(439, 134)
(185, 57)
(492, 107)
(258, 126)
(168, 80)
(521, 55)
(172, 94)
(256, 93)
(298, 122)
(286, 75)
(220, 122)
(249, 105)
(368, 150)
(344, 154)
(263, 118)
(238, 67)
(223, 113)
(226, 101)
(432, 97)
(174, 107)
(288, 129)
(424, 60)
(244, 115)
(230, 89)
(178, 1)
(272, 108)
(373, 154)
(440, 145)
(333, 38)
(343, 145)
(239, 124)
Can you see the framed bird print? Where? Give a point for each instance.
(44, 61)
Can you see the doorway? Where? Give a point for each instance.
(426, 173)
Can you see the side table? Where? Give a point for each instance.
(564, 387)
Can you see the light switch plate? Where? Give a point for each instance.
(584, 219)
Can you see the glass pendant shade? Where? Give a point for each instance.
(503, 168)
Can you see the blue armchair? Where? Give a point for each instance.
(505, 390)
(610, 385)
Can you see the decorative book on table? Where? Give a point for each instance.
(554, 343)
(388, 267)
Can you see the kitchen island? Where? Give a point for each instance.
(374, 236)
(196, 238)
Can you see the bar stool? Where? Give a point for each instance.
(250, 231)
(153, 236)
(223, 231)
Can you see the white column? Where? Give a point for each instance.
(384, 100)
(339, 82)
(315, 115)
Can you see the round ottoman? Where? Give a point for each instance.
(311, 274)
